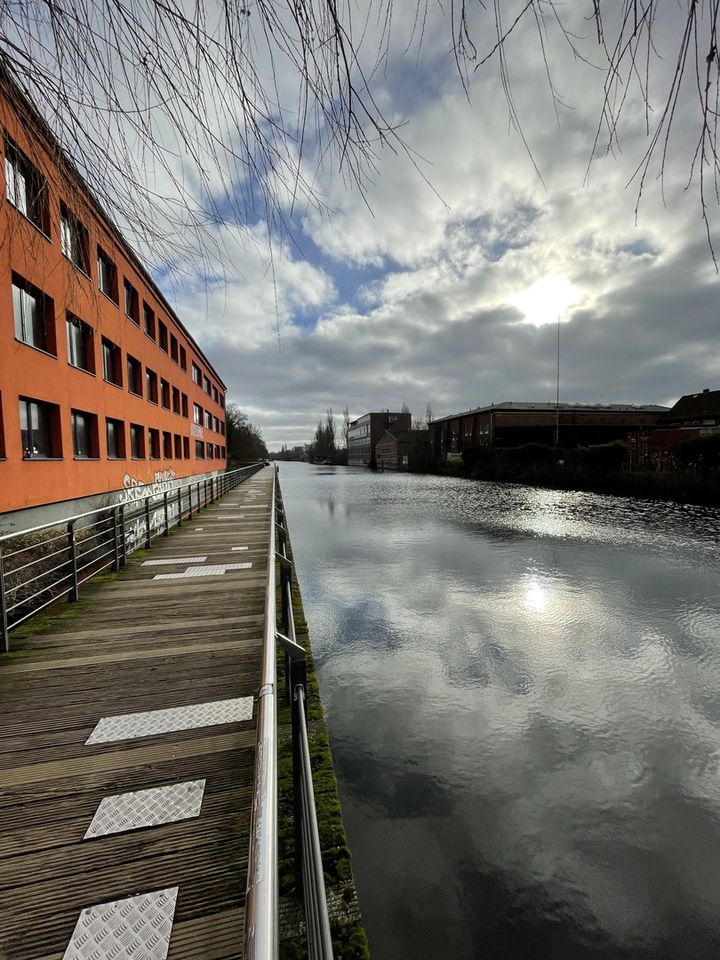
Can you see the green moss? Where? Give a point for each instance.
(349, 940)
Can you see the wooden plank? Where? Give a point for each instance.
(138, 644)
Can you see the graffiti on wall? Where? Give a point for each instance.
(135, 491)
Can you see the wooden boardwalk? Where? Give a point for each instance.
(140, 645)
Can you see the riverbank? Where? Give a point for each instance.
(567, 471)
(349, 939)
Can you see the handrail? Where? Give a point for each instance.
(149, 496)
(261, 904)
(103, 542)
(308, 853)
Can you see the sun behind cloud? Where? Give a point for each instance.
(546, 299)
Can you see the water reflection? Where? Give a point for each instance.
(523, 691)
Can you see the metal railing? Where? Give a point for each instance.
(43, 564)
(261, 908)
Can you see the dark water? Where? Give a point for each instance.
(523, 693)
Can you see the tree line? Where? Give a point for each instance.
(244, 440)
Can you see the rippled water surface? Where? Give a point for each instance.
(523, 693)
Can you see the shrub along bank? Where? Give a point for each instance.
(601, 469)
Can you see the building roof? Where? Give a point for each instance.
(380, 413)
(526, 407)
(10, 89)
(695, 406)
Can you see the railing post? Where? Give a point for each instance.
(73, 561)
(123, 543)
(189, 501)
(167, 515)
(4, 637)
(116, 539)
(180, 506)
(205, 495)
(148, 533)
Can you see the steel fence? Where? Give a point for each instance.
(46, 563)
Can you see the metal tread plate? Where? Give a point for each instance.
(149, 723)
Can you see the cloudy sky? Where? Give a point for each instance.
(442, 282)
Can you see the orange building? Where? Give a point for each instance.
(101, 385)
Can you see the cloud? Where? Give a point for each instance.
(417, 289)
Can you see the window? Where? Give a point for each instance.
(132, 302)
(84, 433)
(115, 432)
(165, 394)
(175, 400)
(184, 405)
(167, 445)
(163, 336)
(74, 240)
(107, 275)
(178, 446)
(39, 429)
(151, 389)
(216, 398)
(186, 448)
(149, 320)
(137, 441)
(199, 450)
(196, 374)
(217, 451)
(173, 348)
(134, 375)
(25, 187)
(222, 427)
(206, 386)
(197, 414)
(216, 422)
(154, 436)
(112, 371)
(80, 344)
(34, 316)
(222, 400)
(210, 451)
(208, 420)
(183, 359)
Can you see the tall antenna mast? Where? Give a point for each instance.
(557, 388)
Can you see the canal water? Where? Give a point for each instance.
(522, 688)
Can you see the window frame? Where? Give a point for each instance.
(74, 240)
(116, 354)
(133, 313)
(44, 309)
(137, 431)
(54, 433)
(39, 199)
(133, 366)
(119, 429)
(87, 340)
(91, 428)
(107, 262)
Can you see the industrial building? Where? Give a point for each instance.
(512, 424)
(101, 385)
(364, 433)
(403, 450)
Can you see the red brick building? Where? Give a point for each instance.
(403, 450)
(513, 424)
(99, 379)
(365, 432)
